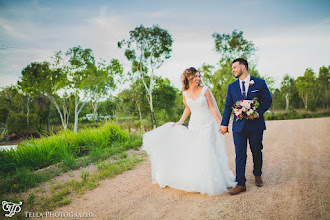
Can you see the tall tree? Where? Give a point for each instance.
(26, 99)
(134, 100)
(233, 46)
(89, 81)
(289, 90)
(40, 78)
(323, 81)
(165, 96)
(147, 49)
(104, 79)
(11, 101)
(229, 46)
(81, 67)
(307, 87)
(207, 72)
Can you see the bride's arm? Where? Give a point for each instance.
(185, 113)
(211, 107)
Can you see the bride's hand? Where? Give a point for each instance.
(178, 123)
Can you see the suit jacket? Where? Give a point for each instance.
(258, 89)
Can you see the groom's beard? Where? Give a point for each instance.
(239, 74)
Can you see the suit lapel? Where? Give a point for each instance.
(250, 86)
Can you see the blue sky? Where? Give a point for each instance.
(290, 35)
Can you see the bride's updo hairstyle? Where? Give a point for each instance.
(187, 76)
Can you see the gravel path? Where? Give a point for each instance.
(296, 184)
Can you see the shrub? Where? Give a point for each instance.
(293, 114)
(3, 115)
(17, 123)
(312, 105)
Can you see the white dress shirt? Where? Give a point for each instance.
(247, 84)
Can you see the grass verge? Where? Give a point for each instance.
(63, 192)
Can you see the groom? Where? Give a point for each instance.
(246, 87)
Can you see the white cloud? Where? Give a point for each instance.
(11, 30)
(281, 50)
(292, 51)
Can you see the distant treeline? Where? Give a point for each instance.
(73, 84)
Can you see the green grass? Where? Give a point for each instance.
(39, 153)
(67, 150)
(61, 191)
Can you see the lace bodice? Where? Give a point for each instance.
(200, 113)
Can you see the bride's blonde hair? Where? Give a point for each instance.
(187, 76)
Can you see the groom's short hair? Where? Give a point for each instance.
(242, 62)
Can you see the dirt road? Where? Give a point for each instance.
(296, 184)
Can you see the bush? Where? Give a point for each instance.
(293, 114)
(3, 115)
(17, 123)
(312, 105)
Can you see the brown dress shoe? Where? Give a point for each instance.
(258, 181)
(238, 189)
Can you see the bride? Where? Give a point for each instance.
(192, 159)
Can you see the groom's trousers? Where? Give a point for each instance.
(255, 142)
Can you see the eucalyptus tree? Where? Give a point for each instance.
(134, 100)
(103, 80)
(307, 88)
(207, 72)
(233, 46)
(49, 80)
(26, 99)
(89, 80)
(229, 46)
(288, 88)
(324, 81)
(147, 49)
(10, 100)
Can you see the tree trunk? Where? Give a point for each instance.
(152, 113)
(139, 109)
(153, 120)
(287, 101)
(95, 107)
(47, 123)
(77, 110)
(63, 119)
(76, 113)
(27, 116)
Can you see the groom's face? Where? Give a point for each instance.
(237, 69)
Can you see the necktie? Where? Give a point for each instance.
(243, 88)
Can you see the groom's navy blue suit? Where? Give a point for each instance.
(251, 130)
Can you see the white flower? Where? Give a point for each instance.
(250, 112)
(246, 103)
(251, 82)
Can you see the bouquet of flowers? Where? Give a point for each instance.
(245, 108)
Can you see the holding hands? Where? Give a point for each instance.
(223, 130)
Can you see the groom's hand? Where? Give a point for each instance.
(254, 116)
(223, 129)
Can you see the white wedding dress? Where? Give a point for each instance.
(192, 159)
